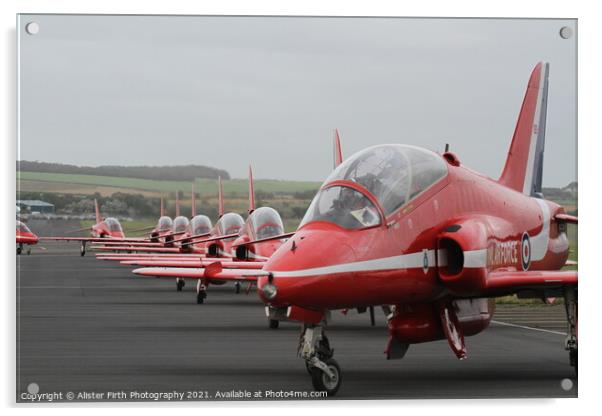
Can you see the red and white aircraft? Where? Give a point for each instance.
(401, 225)
(105, 229)
(25, 237)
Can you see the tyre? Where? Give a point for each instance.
(19, 250)
(200, 297)
(274, 323)
(322, 382)
(179, 285)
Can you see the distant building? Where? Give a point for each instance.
(36, 206)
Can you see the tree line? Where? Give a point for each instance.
(165, 173)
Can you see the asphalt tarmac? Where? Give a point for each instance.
(85, 325)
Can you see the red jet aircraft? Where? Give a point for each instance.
(25, 237)
(401, 225)
(104, 230)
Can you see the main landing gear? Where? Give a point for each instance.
(237, 288)
(180, 284)
(201, 291)
(315, 349)
(19, 249)
(570, 303)
(82, 249)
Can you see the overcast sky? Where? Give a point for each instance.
(229, 91)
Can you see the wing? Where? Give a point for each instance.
(247, 265)
(202, 273)
(510, 282)
(93, 239)
(144, 249)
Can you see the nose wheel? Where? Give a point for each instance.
(315, 349)
(19, 249)
(180, 284)
(570, 303)
(201, 292)
(237, 288)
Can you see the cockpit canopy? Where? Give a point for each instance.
(266, 222)
(200, 224)
(230, 223)
(165, 224)
(22, 228)
(113, 225)
(394, 174)
(179, 224)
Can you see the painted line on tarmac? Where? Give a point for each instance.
(528, 327)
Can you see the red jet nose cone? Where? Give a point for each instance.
(298, 264)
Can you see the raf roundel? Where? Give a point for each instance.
(525, 251)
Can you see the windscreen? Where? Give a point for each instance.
(113, 224)
(393, 173)
(343, 206)
(164, 224)
(266, 223)
(230, 223)
(200, 224)
(180, 224)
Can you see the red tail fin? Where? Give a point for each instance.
(337, 152)
(97, 212)
(524, 165)
(193, 206)
(251, 191)
(162, 212)
(177, 203)
(220, 197)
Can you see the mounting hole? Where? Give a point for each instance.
(566, 32)
(32, 28)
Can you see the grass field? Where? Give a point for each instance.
(88, 184)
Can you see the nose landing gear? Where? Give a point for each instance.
(570, 303)
(201, 292)
(180, 284)
(315, 349)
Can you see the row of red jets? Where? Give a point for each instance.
(396, 226)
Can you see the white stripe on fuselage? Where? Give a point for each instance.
(404, 261)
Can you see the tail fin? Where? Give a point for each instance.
(524, 165)
(177, 203)
(336, 148)
(193, 205)
(97, 212)
(220, 197)
(162, 212)
(251, 191)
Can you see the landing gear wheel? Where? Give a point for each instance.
(179, 285)
(237, 288)
(200, 297)
(274, 323)
(28, 251)
(82, 250)
(573, 359)
(322, 382)
(19, 250)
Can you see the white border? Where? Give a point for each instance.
(589, 153)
